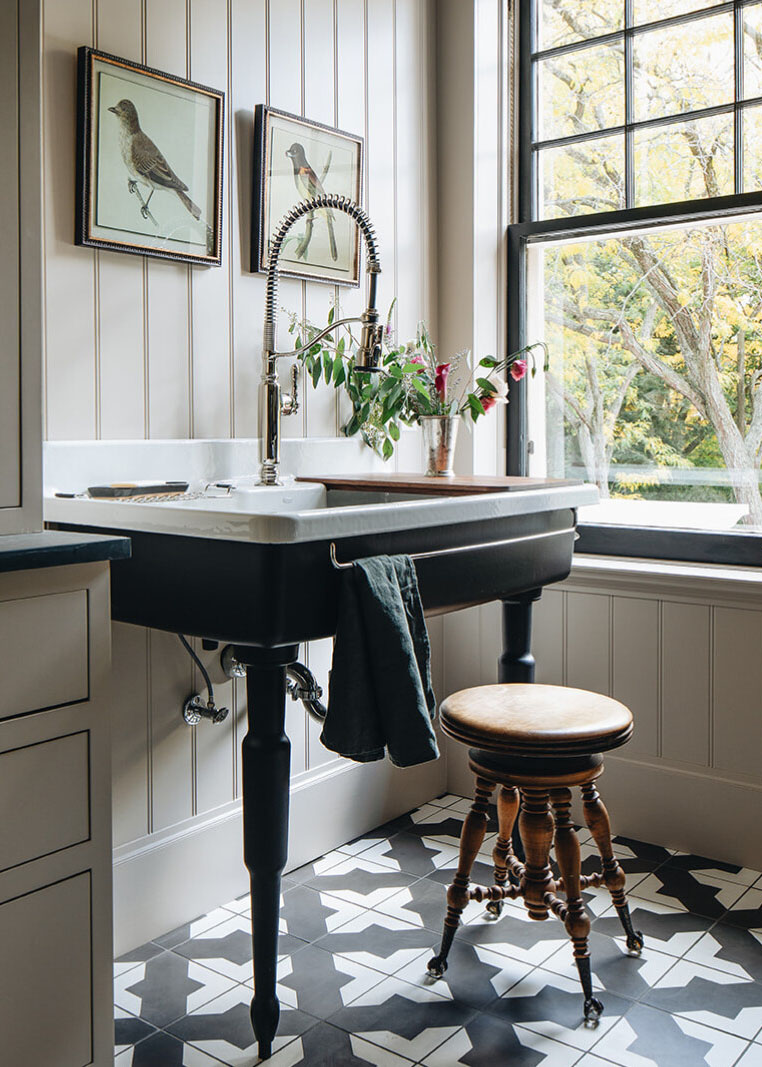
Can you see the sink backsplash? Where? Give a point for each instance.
(71, 466)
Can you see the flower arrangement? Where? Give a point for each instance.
(413, 384)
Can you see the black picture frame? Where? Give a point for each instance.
(115, 205)
(277, 190)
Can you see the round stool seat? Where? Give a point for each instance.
(535, 720)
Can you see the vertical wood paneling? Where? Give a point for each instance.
(636, 669)
(320, 105)
(285, 67)
(685, 682)
(214, 750)
(210, 304)
(490, 639)
(548, 637)
(409, 249)
(587, 641)
(382, 178)
(171, 739)
(351, 116)
(462, 667)
(248, 87)
(127, 704)
(70, 339)
(319, 659)
(121, 308)
(737, 685)
(169, 313)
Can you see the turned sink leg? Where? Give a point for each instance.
(266, 765)
(516, 662)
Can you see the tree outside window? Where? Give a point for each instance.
(653, 316)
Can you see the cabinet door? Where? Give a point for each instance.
(46, 977)
(20, 274)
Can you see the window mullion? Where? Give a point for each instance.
(738, 91)
(629, 107)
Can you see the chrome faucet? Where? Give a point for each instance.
(273, 403)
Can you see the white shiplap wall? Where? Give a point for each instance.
(138, 348)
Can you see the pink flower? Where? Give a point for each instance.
(440, 381)
(518, 369)
(488, 402)
(417, 359)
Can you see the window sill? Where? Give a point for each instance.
(741, 586)
(727, 548)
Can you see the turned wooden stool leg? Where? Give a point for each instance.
(597, 819)
(536, 829)
(502, 854)
(471, 839)
(575, 917)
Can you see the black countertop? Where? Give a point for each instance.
(56, 548)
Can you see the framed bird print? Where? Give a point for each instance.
(149, 161)
(295, 160)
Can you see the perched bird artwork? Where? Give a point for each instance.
(145, 163)
(309, 186)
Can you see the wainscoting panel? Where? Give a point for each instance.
(685, 682)
(680, 645)
(588, 646)
(636, 657)
(736, 687)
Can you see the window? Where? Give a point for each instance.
(638, 260)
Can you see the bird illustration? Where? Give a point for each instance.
(145, 163)
(309, 185)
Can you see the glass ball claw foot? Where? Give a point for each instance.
(593, 1011)
(495, 908)
(635, 943)
(436, 967)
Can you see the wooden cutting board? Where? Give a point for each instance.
(459, 485)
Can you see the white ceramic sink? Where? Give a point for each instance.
(300, 512)
(245, 511)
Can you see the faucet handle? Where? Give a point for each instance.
(290, 402)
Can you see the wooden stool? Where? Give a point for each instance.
(537, 741)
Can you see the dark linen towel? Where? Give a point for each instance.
(380, 694)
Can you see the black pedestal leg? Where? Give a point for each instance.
(516, 664)
(266, 764)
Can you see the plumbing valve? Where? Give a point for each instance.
(196, 708)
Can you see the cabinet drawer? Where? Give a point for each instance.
(46, 977)
(44, 798)
(43, 652)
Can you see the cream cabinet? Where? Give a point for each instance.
(55, 831)
(20, 268)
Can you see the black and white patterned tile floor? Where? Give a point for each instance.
(358, 927)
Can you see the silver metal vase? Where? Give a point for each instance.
(439, 435)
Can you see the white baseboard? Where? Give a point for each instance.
(171, 877)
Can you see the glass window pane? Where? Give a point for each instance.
(655, 343)
(752, 149)
(684, 161)
(684, 67)
(752, 51)
(652, 10)
(563, 21)
(581, 91)
(581, 178)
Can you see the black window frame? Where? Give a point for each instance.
(727, 547)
